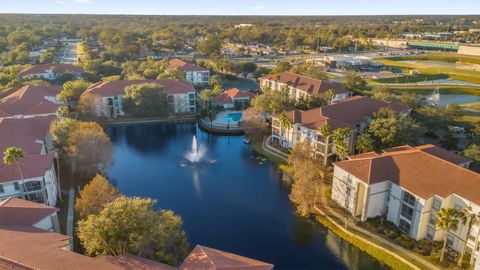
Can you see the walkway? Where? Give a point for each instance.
(332, 212)
(70, 218)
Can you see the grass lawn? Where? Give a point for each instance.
(446, 57)
(431, 69)
(428, 89)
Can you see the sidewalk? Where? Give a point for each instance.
(331, 212)
(70, 217)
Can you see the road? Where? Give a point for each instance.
(68, 53)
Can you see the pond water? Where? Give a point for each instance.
(232, 200)
(446, 99)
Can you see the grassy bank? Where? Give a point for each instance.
(257, 146)
(428, 89)
(445, 57)
(426, 69)
(380, 255)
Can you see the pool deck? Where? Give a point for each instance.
(222, 129)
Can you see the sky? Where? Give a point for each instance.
(243, 7)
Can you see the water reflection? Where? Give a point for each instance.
(237, 204)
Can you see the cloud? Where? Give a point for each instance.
(82, 1)
(60, 2)
(257, 7)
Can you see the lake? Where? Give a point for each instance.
(232, 200)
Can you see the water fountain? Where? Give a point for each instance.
(196, 154)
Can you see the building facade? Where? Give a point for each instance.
(301, 86)
(408, 186)
(354, 113)
(197, 75)
(106, 97)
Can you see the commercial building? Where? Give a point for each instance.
(194, 73)
(302, 86)
(354, 113)
(107, 96)
(409, 185)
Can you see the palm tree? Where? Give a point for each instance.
(468, 218)
(341, 147)
(447, 219)
(285, 123)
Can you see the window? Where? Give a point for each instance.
(436, 204)
(457, 208)
(433, 219)
(430, 234)
(16, 186)
(404, 226)
(1, 189)
(33, 185)
(408, 198)
(407, 212)
(35, 197)
(450, 240)
(191, 96)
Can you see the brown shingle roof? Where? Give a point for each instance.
(347, 113)
(19, 212)
(115, 88)
(306, 84)
(42, 68)
(29, 100)
(185, 65)
(28, 167)
(25, 133)
(418, 171)
(228, 96)
(203, 258)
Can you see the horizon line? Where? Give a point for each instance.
(239, 15)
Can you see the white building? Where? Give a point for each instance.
(18, 212)
(409, 185)
(50, 71)
(302, 86)
(107, 96)
(194, 73)
(354, 113)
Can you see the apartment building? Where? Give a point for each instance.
(50, 71)
(32, 177)
(302, 86)
(107, 96)
(197, 75)
(229, 98)
(30, 101)
(409, 185)
(354, 113)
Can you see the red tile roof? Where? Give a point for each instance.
(28, 167)
(19, 212)
(185, 65)
(306, 84)
(25, 133)
(115, 88)
(420, 172)
(203, 258)
(29, 100)
(229, 96)
(347, 113)
(42, 68)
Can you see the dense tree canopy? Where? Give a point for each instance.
(145, 100)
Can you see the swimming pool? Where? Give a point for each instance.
(232, 117)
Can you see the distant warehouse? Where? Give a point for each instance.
(469, 50)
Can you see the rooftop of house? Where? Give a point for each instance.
(30, 166)
(204, 258)
(185, 65)
(424, 171)
(307, 84)
(42, 68)
(26, 133)
(26, 247)
(116, 88)
(20, 212)
(229, 96)
(344, 114)
(29, 100)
